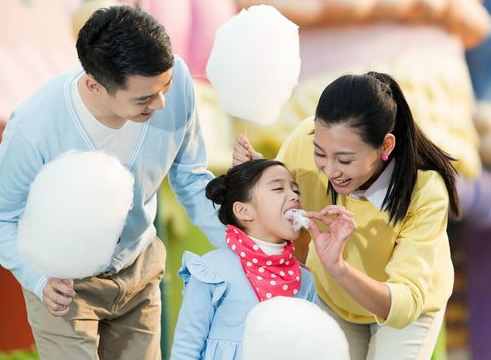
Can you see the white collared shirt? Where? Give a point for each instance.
(377, 191)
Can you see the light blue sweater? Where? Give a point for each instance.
(217, 298)
(171, 142)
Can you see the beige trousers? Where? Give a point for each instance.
(378, 342)
(112, 316)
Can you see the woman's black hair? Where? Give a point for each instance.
(373, 105)
(236, 185)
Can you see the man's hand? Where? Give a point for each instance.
(57, 296)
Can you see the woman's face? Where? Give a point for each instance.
(274, 194)
(347, 161)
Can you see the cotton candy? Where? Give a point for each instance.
(75, 213)
(255, 63)
(297, 218)
(286, 328)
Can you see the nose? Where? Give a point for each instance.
(328, 167)
(158, 102)
(331, 172)
(294, 196)
(336, 175)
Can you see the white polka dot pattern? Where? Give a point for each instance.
(283, 270)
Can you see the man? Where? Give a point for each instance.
(133, 99)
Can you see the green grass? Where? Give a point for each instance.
(19, 355)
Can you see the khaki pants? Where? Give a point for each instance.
(378, 342)
(113, 317)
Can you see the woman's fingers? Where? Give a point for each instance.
(314, 229)
(317, 215)
(239, 158)
(243, 151)
(336, 210)
(339, 221)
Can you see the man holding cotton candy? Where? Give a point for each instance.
(77, 229)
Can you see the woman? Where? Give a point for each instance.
(383, 266)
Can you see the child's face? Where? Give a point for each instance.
(274, 194)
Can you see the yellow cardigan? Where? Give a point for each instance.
(412, 258)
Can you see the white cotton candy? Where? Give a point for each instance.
(255, 63)
(75, 214)
(285, 328)
(296, 216)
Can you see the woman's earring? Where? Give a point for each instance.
(385, 157)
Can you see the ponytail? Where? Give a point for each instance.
(414, 151)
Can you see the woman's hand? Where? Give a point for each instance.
(330, 244)
(243, 151)
(373, 295)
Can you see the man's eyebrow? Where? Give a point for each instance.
(144, 97)
(317, 146)
(168, 82)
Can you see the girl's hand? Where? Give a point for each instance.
(330, 244)
(243, 151)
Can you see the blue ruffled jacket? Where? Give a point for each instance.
(217, 299)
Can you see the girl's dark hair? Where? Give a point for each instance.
(121, 41)
(236, 185)
(373, 105)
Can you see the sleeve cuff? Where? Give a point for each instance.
(402, 307)
(38, 289)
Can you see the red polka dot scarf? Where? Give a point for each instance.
(269, 275)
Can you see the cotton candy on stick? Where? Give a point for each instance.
(75, 214)
(255, 63)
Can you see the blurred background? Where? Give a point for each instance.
(438, 50)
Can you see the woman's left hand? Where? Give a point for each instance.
(331, 243)
(244, 151)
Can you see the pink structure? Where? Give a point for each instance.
(191, 25)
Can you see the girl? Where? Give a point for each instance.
(381, 258)
(221, 287)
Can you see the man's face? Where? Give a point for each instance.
(142, 96)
